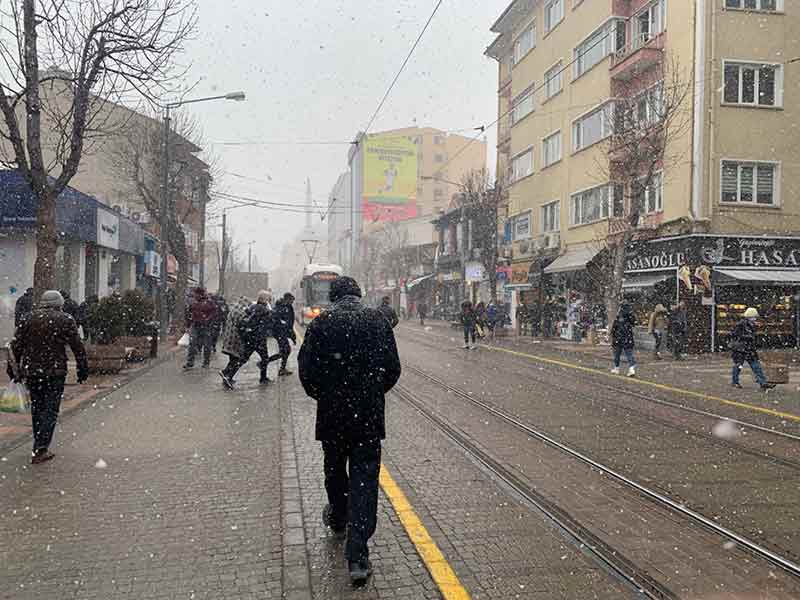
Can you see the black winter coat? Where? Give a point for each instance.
(40, 344)
(389, 314)
(22, 308)
(256, 325)
(347, 363)
(743, 341)
(622, 331)
(283, 320)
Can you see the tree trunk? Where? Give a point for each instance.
(614, 295)
(180, 296)
(46, 244)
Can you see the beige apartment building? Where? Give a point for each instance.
(719, 219)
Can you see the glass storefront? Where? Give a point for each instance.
(777, 307)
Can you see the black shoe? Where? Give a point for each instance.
(327, 520)
(360, 572)
(768, 386)
(284, 373)
(265, 381)
(187, 367)
(226, 381)
(736, 385)
(206, 365)
(42, 456)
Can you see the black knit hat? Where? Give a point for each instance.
(344, 286)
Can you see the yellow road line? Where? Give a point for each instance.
(638, 381)
(441, 571)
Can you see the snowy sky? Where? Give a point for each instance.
(315, 71)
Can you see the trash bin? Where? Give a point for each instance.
(776, 366)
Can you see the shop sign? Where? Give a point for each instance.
(107, 229)
(453, 276)
(714, 251)
(519, 273)
(152, 263)
(474, 272)
(503, 273)
(522, 226)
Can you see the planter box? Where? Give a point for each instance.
(105, 358)
(140, 346)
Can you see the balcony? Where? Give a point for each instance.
(643, 53)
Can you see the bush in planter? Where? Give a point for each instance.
(108, 319)
(139, 311)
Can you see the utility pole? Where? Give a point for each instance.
(250, 257)
(223, 254)
(203, 202)
(164, 226)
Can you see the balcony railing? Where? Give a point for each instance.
(642, 52)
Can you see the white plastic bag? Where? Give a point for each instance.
(184, 341)
(14, 398)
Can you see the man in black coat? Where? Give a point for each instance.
(23, 307)
(743, 350)
(388, 312)
(348, 362)
(283, 330)
(70, 306)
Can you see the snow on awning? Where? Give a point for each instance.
(574, 260)
(762, 276)
(643, 282)
(418, 280)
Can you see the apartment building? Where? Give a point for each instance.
(718, 218)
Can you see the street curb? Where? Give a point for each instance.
(16, 441)
(295, 574)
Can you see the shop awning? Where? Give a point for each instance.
(418, 280)
(644, 282)
(761, 276)
(573, 260)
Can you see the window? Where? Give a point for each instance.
(749, 182)
(553, 14)
(553, 80)
(551, 149)
(641, 112)
(522, 105)
(590, 205)
(524, 43)
(595, 48)
(753, 84)
(765, 5)
(649, 23)
(550, 217)
(522, 165)
(649, 198)
(592, 127)
(522, 226)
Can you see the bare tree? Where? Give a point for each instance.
(103, 51)
(650, 113)
(137, 159)
(480, 200)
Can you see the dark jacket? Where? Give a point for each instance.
(71, 308)
(468, 317)
(283, 320)
(678, 323)
(422, 310)
(389, 314)
(222, 313)
(622, 329)
(256, 325)
(348, 362)
(39, 344)
(743, 341)
(23, 308)
(203, 312)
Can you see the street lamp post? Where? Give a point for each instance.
(164, 221)
(250, 256)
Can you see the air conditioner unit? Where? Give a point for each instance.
(506, 252)
(524, 247)
(551, 240)
(117, 208)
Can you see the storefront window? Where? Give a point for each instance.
(776, 307)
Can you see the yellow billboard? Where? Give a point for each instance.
(390, 178)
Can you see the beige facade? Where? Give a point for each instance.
(601, 47)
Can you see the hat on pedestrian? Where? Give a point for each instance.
(344, 286)
(751, 313)
(264, 297)
(52, 299)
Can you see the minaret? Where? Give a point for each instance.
(309, 204)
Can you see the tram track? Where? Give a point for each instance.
(742, 541)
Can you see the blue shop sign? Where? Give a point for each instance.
(76, 212)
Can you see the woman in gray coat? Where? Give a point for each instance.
(232, 343)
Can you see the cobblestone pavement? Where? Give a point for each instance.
(750, 493)
(185, 503)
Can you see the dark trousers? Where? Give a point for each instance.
(46, 393)
(353, 498)
(755, 365)
(237, 362)
(469, 332)
(678, 344)
(659, 338)
(200, 340)
(284, 350)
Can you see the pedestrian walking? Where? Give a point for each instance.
(232, 344)
(468, 320)
(622, 339)
(656, 326)
(85, 317)
(678, 329)
(70, 306)
(387, 311)
(253, 327)
(39, 348)
(480, 320)
(283, 331)
(348, 362)
(202, 315)
(219, 321)
(23, 307)
(743, 350)
(422, 312)
(492, 318)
